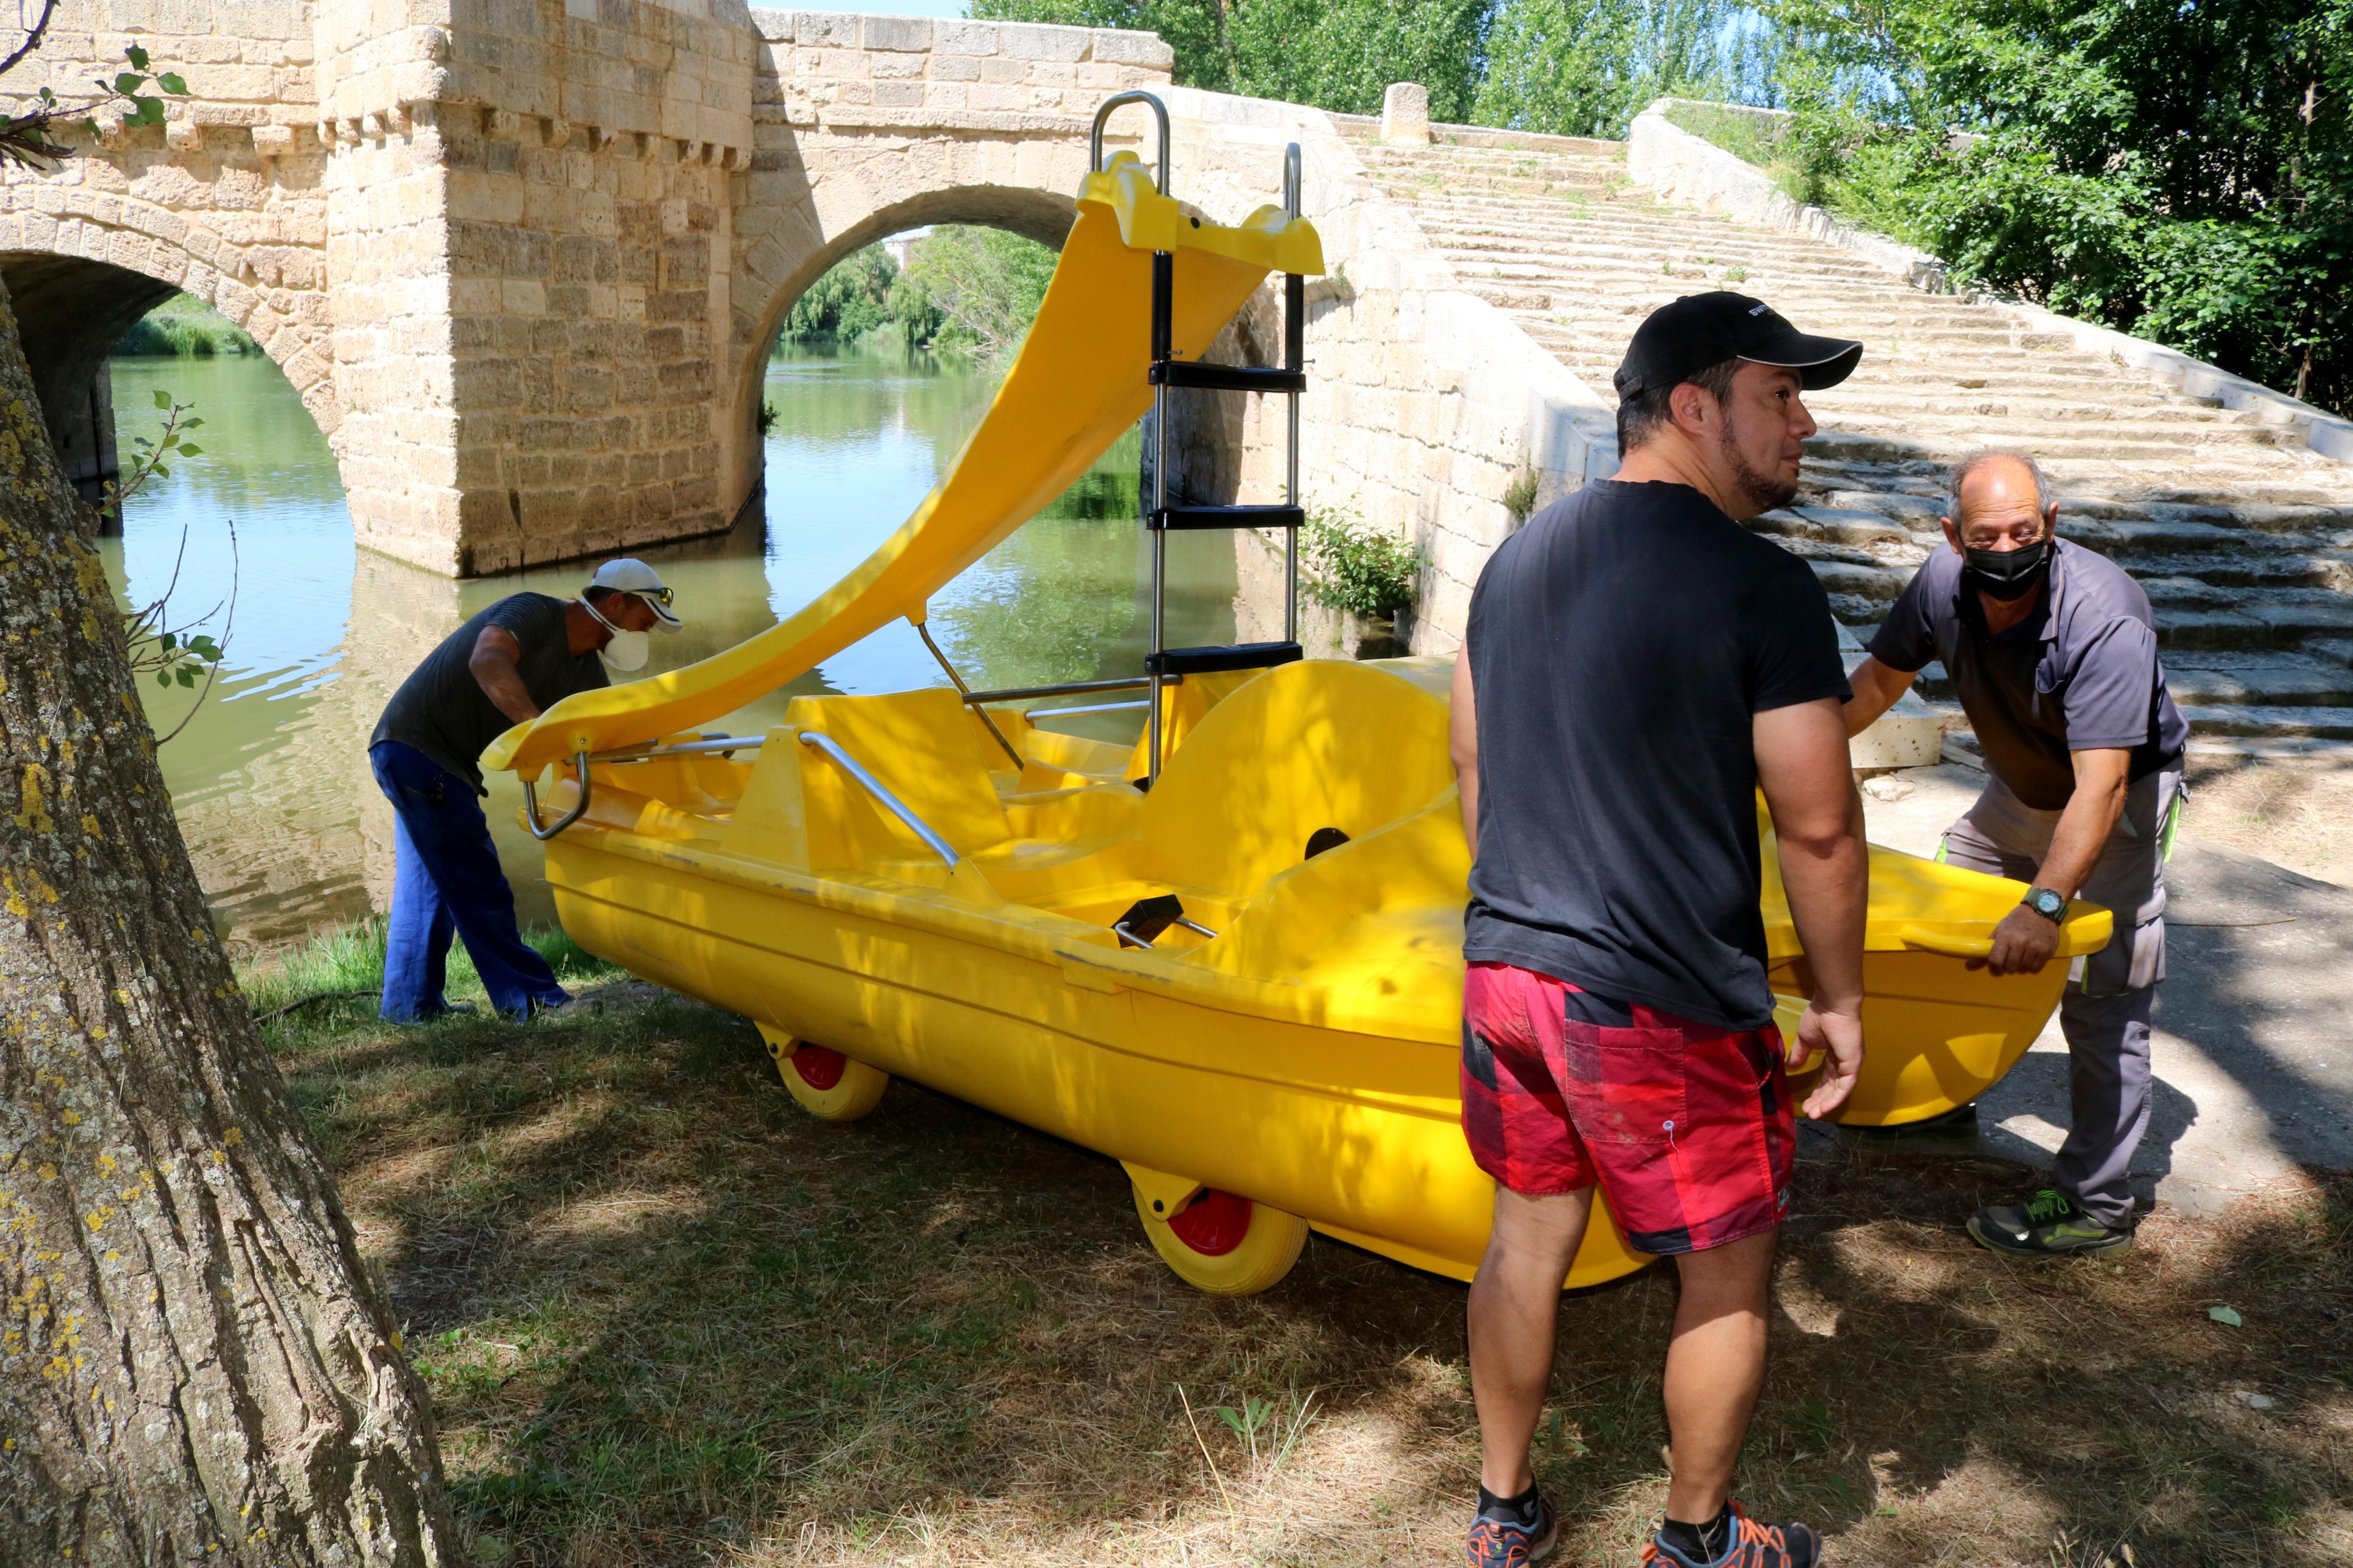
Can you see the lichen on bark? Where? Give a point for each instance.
(195, 1361)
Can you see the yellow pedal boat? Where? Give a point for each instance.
(1244, 983)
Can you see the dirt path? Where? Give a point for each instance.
(2255, 1070)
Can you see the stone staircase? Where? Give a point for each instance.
(2241, 536)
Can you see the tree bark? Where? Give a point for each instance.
(196, 1365)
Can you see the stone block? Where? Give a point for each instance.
(1121, 47)
(1405, 114)
(964, 38)
(911, 35)
(955, 67)
(1032, 41)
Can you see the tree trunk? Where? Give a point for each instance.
(196, 1363)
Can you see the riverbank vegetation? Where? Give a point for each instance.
(2183, 173)
(184, 327)
(964, 288)
(666, 1318)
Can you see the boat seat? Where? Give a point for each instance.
(923, 747)
(1305, 747)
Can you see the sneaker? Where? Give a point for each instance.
(2047, 1225)
(1753, 1545)
(1501, 1543)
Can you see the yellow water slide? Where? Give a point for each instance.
(1079, 383)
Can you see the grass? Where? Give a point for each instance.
(187, 328)
(667, 1319)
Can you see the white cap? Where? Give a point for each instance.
(630, 575)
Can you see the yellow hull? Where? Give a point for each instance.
(1305, 1057)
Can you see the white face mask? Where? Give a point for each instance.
(627, 650)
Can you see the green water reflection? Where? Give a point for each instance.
(270, 776)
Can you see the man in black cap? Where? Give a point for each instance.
(1637, 666)
(2052, 650)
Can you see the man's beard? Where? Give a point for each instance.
(1760, 492)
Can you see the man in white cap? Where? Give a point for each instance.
(525, 654)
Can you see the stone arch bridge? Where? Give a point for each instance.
(522, 260)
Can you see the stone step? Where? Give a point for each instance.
(2317, 722)
(2293, 680)
(2243, 541)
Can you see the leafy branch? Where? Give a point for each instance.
(175, 653)
(26, 136)
(148, 462)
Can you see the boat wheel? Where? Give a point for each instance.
(1223, 1245)
(826, 1083)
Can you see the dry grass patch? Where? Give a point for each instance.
(668, 1319)
(2291, 811)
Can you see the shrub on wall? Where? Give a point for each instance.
(1358, 569)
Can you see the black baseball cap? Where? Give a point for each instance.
(1678, 340)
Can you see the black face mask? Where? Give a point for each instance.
(2009, 574)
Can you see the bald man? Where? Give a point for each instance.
(2052, 650)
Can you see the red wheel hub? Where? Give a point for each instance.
(817, 1066)
(1214, 1223)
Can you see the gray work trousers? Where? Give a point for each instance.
(2104, 1013)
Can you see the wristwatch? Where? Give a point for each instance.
(2051, 906)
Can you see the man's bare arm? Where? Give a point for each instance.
(492, 664)
(1462, 744)
(1876, 688)
(2025, 940)
(1801, 765)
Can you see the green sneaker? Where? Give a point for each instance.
(2047, 1225)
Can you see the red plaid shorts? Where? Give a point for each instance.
(1687, 1127)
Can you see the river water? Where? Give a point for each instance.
(269, 775)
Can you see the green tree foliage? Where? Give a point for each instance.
(963, 288)
(1586, 67)
(972, 287)
(2183, 171)
(1335, 54)
(850, 301)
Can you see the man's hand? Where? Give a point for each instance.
(1841, 1035)
(2022, 944)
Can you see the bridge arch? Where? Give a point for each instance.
(1034, 214)
(81, 272)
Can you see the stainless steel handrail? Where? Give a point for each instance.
(1034, 714)
(1095, 138)
(531, 802)
(964, 692)
(1068, 689)
(704, 747)
(883, 796)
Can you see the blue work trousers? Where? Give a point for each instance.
(446, 877)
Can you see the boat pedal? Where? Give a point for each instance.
(1146, 918)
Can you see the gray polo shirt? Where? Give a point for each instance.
(2079, 673)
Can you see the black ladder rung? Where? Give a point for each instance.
(1226, 377)
(1220, 656)
(1182, 517)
